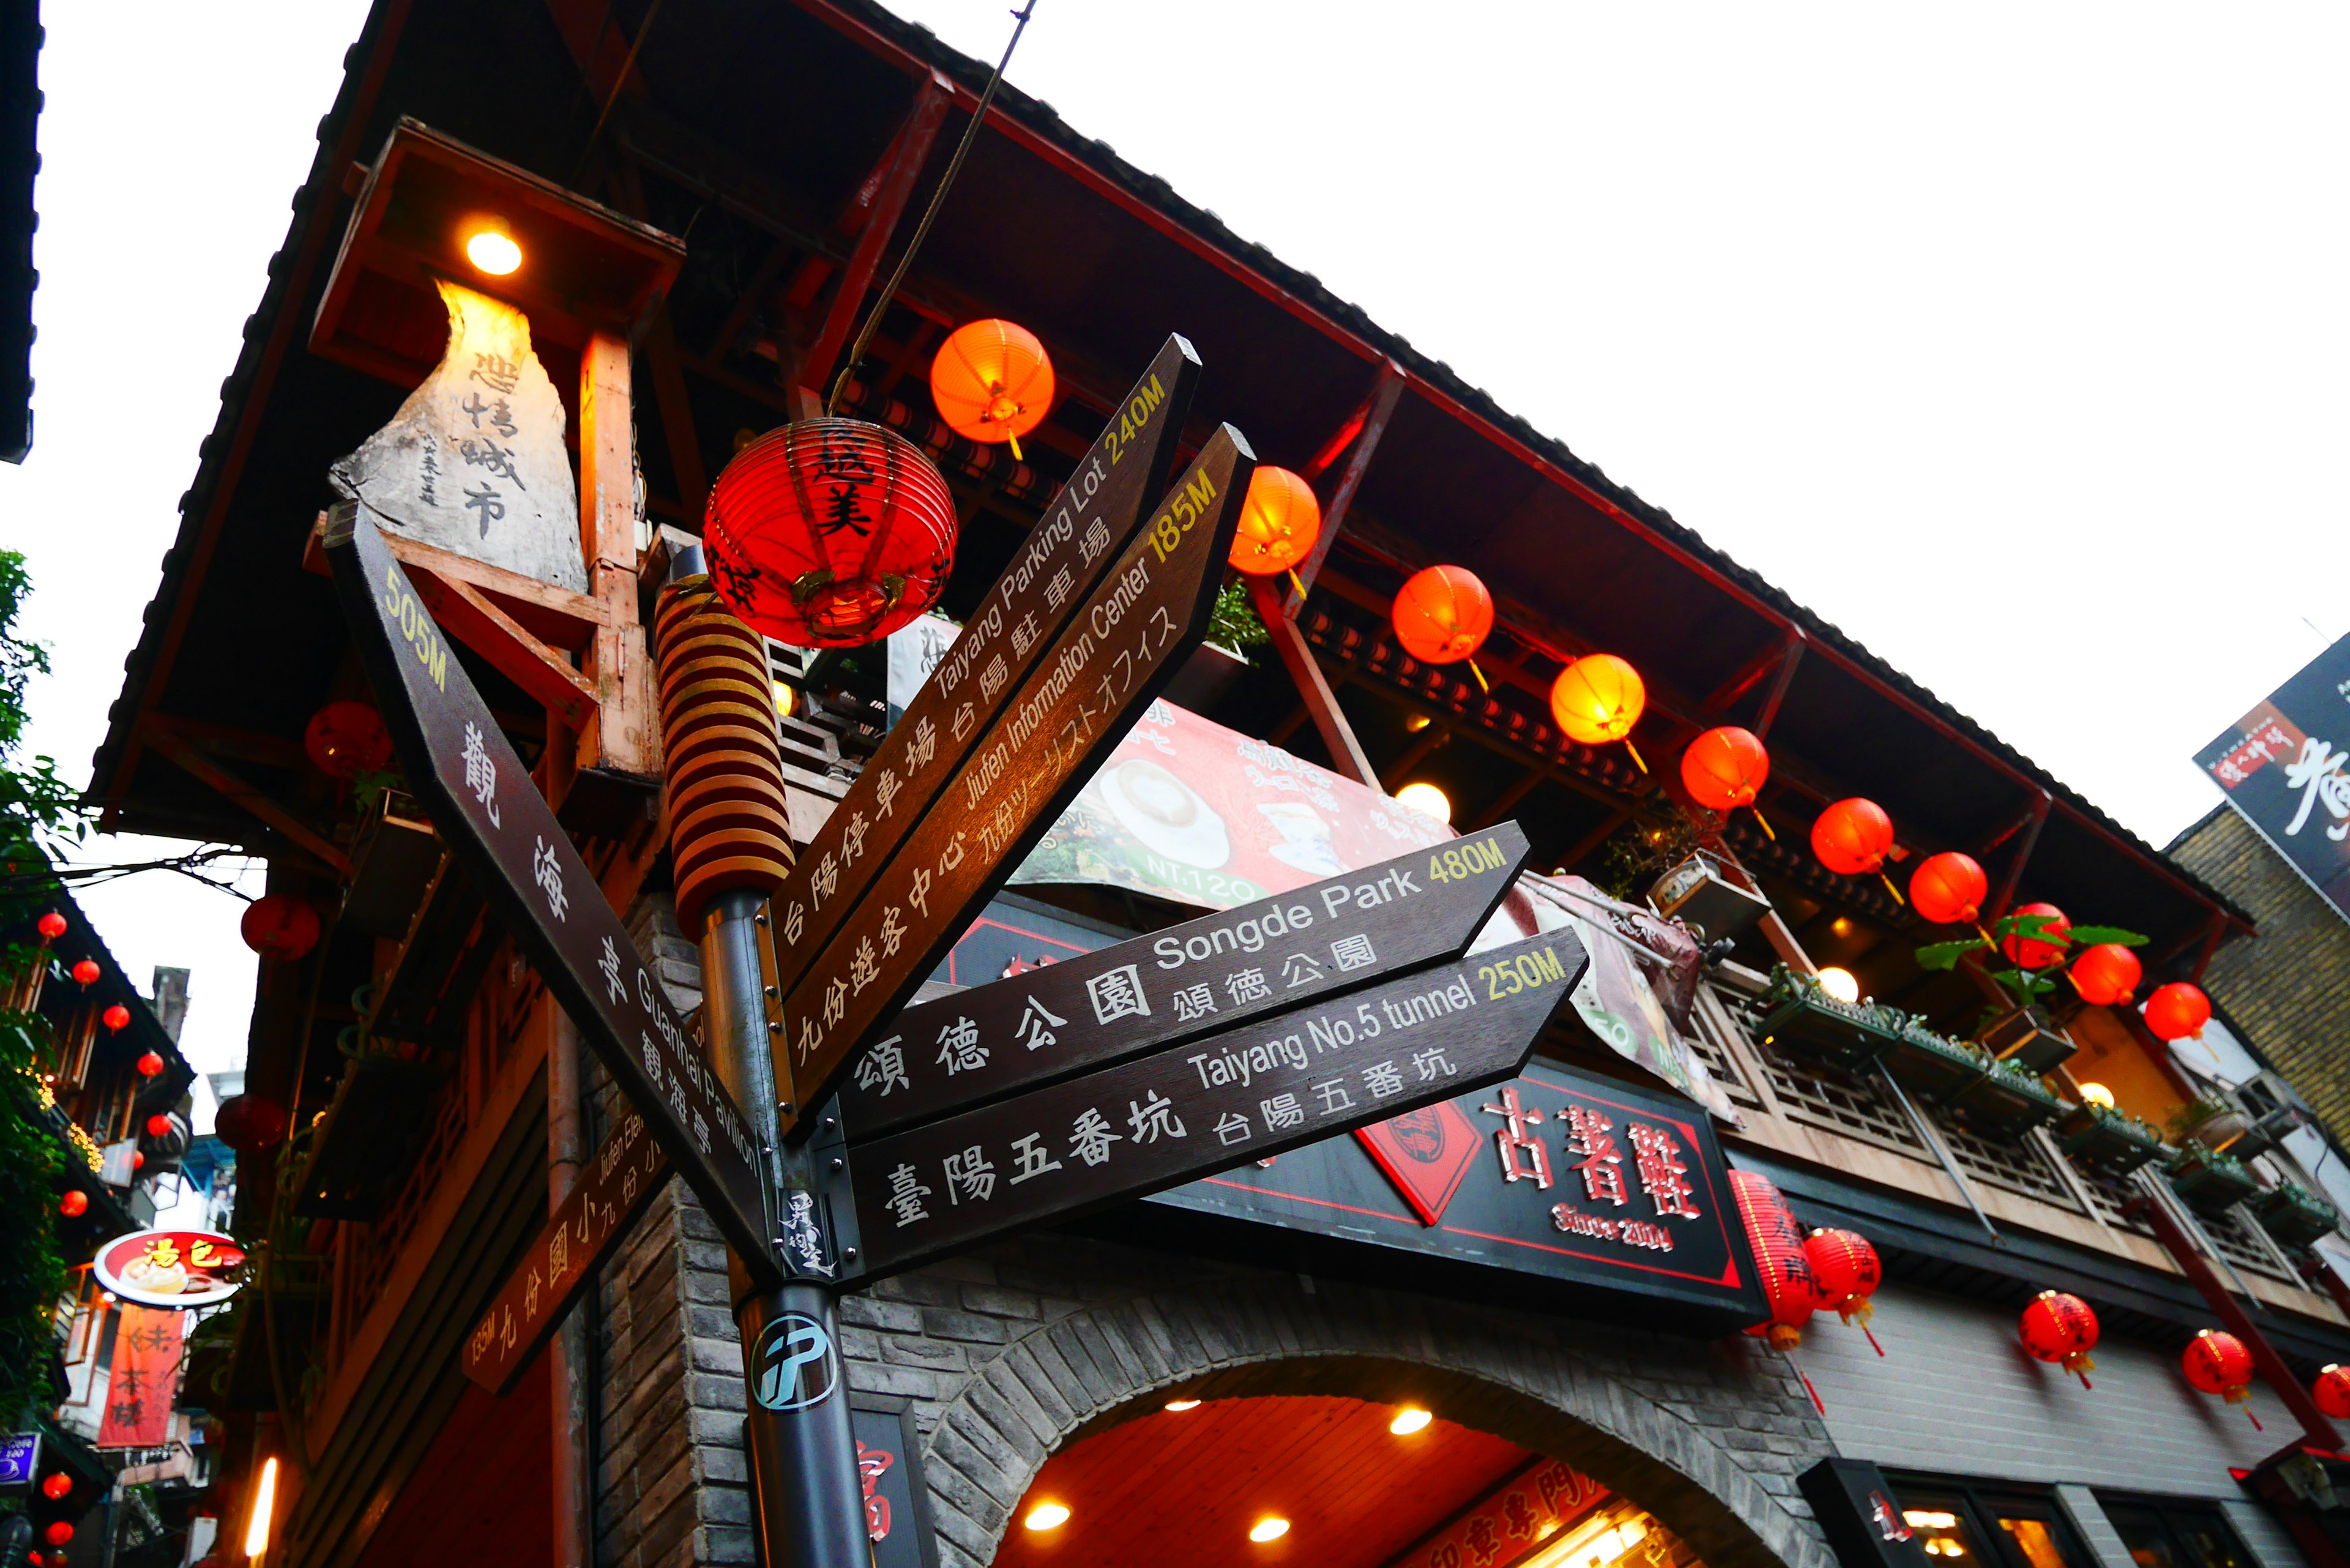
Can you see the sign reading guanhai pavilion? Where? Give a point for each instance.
(2285, 767)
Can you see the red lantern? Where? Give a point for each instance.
(51, 926)
(2219, 1363)
(58, 1534)
(829, 533)
(2177, 1010)
(1949, 889)
(250, 1124)
(2105, 974)
(117, 1017)
(992, 381)
(1778, 1245)
(1851, 836)
(279, 926)
(1279, 524)
(1847, 1273)
(73, 1205)
(2030, 951)
(157, 1125)
(1725, 768)
(1598, 698)
(138, 1159)
(55, 1484)
(2060, 1329)
(2332, 1392)
(1442, 614)
(344, 739)
(149, 1065)
(87, 971)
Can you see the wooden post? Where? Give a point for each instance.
(566, 1149)
(622, 736)
(1346, 752)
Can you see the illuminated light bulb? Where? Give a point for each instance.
(265, 1499)
(2097, 1095)
(1268, 1529)
(1841, 925)
(1047, 1516)
(1634, 1532)
(784, 699)
(493, 251)
(1182, 1404)
(1426, 799)
(1840, 984)
(1409, 1419)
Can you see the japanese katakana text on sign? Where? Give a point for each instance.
(500, 828)
(1206, 975)
(1094, 518)
(1111, 661)
(1203, 1104)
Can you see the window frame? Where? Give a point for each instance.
(1979, 1500)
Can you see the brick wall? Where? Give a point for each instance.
(2289, 988)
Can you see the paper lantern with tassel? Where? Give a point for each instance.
(2217, 1362)
(1279, 522)
(1847, 1271)
(2177, 1010)
(1596, 700)
(1443, 615)
(2062, 1330)
(1788, 1282)
(1949, 889)
(992, 382)
(2105, 974)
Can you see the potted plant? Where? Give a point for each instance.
(2211, 1118)
(1804, 1021)
(2107, 1140)
(2038, 941)
(2028, 1037)
(2295, 1215)
(1936, 1065)
(2207, 1181)
(2010, 1099)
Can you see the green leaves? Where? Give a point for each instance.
(2099, 936)
(1945, 955)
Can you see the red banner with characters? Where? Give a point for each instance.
(1544, 1497)
(1187, 810)
(144, 1380)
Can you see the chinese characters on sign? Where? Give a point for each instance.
(148, 1344)
(1537, 1504)
(2285, 767)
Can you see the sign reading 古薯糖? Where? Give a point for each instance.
(2285, 767)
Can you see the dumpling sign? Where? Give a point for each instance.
(171, 1268)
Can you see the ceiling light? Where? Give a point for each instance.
(1269, 1527)
(1416, 724)
(1409, 1419)
(1047, 1516)
(494, 251)
(1841, 925)
(1840, 984)
(1426, 799)
(2097, 1095)
(1182, 1404)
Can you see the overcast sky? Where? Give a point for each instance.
(2009, 339)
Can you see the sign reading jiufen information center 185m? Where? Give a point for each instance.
(1114, 656)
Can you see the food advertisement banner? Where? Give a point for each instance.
(1188, 810)
(143, 1383)
(2282, 766)
(170, 1268)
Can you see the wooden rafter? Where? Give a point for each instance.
(166, 739)
(913, 150)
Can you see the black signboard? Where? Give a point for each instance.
(1091, 522)
(1208, 975)
(614, 1185)
(1583, 1179)
(1204, 1105)
(2283, 767)
(1111, 661)
(897, 1498)
(479, 796)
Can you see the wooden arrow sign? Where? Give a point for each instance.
(1111, 661)
(1197, 1107)
(1092, 520)
(1204, 977)
(500, 828)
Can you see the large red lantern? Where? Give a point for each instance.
(1596, 700)
(87, 971)
(1949, 889)
(993, 381)
(279, 926)
(2217, 1362)
(344, 739)
(117, 1017)
(1724, 769)
(149, 1065)
(2177, 1010)
(55, 1484)
(1778, 1245)
(58, 1534)
(1845, 1269)
(1279, 522)
(2031, 952)
(73, 1203)
(1442, 614)
(2332, 1392)
(2105, 974)
(2062, 1330)
(829, 533)
(51, 926)
(250, 1124)
(1851, 836)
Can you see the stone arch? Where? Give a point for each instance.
(1683, 1443)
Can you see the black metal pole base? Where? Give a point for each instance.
(803, 1453)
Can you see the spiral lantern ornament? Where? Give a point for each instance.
(2062, 1330)
(725, 767)
(1777, 1242)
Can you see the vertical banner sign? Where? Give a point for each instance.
(1095, 516)
(1113, 657)
(145, 1380)
(897, 1497)
(2282, 765)
(498, 825)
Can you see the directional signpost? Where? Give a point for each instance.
(479, 796)
(1110, 661)
(1191, 1109)
(1201, 978)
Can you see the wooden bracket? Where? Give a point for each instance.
(1346, 752)
(165, 738)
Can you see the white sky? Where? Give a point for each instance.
(2008, 340)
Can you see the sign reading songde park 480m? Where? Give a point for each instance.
(2285, 766)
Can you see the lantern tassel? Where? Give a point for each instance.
(1483, 684)
(1765, 822)
(1296, 582)
(1635, 753)
(1807, 1381)
(1889, 888)
(1016, 456)
(2079, 1364)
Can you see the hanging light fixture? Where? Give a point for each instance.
(992, 382)
(1596, 700)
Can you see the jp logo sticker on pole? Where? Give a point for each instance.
(792, 1364)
